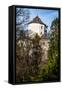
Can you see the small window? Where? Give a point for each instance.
(43, 43)
(41, 33)
(41, 27)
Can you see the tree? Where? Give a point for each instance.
(22, 16)
(54, 51)
(22, 19)
(53, 66)
(36, 58)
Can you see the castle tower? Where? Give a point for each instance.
(36, 26)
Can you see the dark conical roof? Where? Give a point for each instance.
(37, 20)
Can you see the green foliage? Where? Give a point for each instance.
(51, 71)
(55, 24)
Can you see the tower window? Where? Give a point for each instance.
(41, 27)
(41, 33)
(43, 43)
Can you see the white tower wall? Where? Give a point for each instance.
(36, 28)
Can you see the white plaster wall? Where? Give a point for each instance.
(36, 27)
